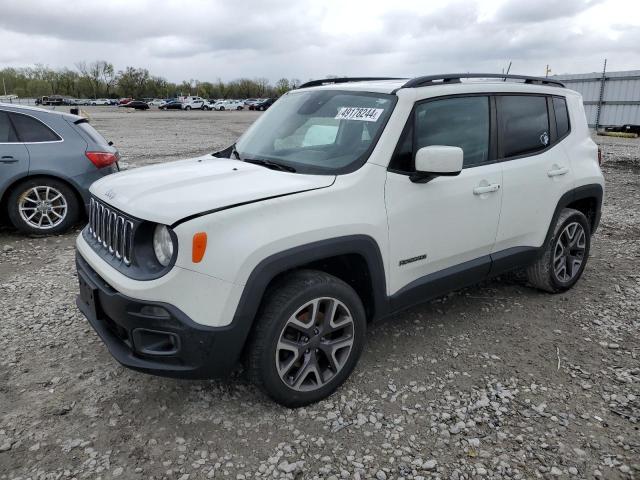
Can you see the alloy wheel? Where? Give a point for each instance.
(42, 207)
(315, 344)
(569, 252)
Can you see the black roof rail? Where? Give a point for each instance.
(329, 81)
(428, 80)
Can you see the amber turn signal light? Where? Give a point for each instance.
(199, 247)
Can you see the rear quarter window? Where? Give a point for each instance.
(562, 116)
(32, 130)
(92, 133)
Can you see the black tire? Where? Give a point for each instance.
(542, 274)
(68, 195)
(239, 108)
(221, 109)
(281, 302)
(188, 107)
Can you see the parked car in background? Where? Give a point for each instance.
(251, 101)
(100, 101)
(193, 103)
(228, 105)
(263, 105)
(122, 101)
(48, 159)
(156, 102)
(113, 101)
(172, 105)
(137, 104)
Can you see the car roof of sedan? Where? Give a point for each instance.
(39, 111)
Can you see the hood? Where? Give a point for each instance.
(169, 192)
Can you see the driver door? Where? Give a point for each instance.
(441, 232)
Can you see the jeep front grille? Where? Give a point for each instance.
(111, 231)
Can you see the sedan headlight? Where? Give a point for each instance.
(163, 244)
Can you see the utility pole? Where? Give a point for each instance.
(4, 86)
(547, 71)
(601, 96)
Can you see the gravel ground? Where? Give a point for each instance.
(495, 381)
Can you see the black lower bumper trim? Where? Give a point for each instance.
(155, 337)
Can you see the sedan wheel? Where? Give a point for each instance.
(45, 206)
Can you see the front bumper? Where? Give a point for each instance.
(156, 337)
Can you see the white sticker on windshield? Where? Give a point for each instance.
(359, 113)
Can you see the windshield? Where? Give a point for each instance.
(321, 131)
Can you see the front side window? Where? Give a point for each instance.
(524, 123)
(31, 130)
(456, 122)
(322, 131)
(7, 134)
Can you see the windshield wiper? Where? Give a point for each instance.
(270, 164)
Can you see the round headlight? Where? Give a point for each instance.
(162, 244)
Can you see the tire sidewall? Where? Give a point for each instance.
(73, 207)
(271, 379)
(578, 217)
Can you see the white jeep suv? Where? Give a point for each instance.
(348, 200)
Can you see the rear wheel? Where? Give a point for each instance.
(565, 256)
(308, 337)
(188, 107)
(221, 108)
(43, 206)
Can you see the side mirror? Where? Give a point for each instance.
(435, 161)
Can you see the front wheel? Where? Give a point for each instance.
(187, 107)
(43, 206)
(221, 109)
(308, 337)
(565, 256)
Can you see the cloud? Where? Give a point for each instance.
(528, 11)
(304, 39)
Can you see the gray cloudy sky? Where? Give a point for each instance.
(310, 39)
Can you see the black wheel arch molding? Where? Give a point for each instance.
(590, 195)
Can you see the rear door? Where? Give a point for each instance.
(14, 156)
(536, 170)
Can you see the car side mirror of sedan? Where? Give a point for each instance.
(436, 161)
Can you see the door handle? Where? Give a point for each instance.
(494, 187)
(558, 171)
(8, 159)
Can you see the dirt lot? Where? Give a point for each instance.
(495, 381)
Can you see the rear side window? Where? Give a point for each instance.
(562, 116)
(92, 133)
(7, 134)
(31, 130)
(456, 122)
(525, 124)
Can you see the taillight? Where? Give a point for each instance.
(599, 156)
(102, 159)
